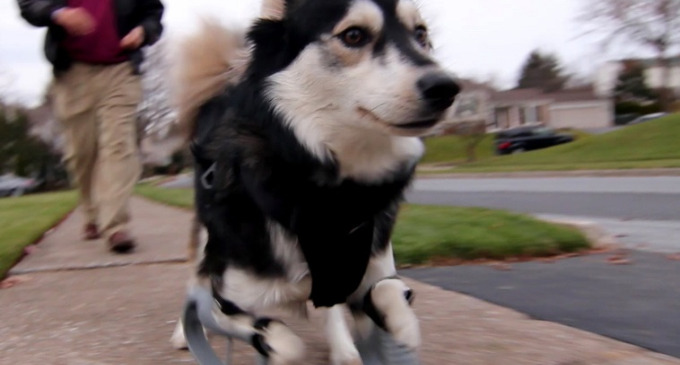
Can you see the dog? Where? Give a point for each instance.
(306, 130)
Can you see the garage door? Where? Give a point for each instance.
(580, 116)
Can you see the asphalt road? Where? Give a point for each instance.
(637, 303)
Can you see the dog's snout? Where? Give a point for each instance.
(438, 89)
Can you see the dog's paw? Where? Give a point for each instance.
(405, 328)
(392, 298)
(276, 341)
(178, 341)
(347, 357)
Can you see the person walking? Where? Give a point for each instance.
(95, 48)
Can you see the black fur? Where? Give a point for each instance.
(263, 173)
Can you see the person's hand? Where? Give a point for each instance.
(134, 39)
(76, 21)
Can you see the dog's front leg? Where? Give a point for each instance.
(388, 304)
(342, 349)
(385, 300)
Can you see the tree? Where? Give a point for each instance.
(631, 85)
(541, 71)
(20, 152)
(653, 24)
(468, 120)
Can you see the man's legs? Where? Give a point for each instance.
(74, 101)
(118, 162)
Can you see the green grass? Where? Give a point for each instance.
(426, 233)
(183, 198)
(25, 219)
(652, 144)
(429, 233)
(450, 149)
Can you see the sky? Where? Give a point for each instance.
(484, 39)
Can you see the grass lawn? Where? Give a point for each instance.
(451, 149)
(26, 218)
(183, 198)
(648, 145)
(426, 234)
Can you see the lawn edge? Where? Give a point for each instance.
(38, 240)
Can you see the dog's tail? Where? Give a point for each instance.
(207, 62)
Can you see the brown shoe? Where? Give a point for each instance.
(91, 232)
(121, 242)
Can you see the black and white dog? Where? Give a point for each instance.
(305, 132)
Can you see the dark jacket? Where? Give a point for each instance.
(129, 14)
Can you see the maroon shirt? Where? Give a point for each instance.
(102, 46)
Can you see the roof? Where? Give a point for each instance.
(468, 85)
(518, 96)
(651, 62)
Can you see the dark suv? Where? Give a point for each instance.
(528, 138)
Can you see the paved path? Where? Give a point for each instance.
(76, 304)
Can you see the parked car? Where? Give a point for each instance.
(529, 138)
(11, 185)
(647, 118)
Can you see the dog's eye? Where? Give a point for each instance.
(421, 36)
(355, 37)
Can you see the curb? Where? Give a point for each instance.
(597, 235)
(37, 241)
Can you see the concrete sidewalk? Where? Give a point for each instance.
(75, 304)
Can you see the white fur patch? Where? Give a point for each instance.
(178, 341)
(362, 13)
(400, 320)
(252, 293)
(322, 108)
(342, 349)
(288, 252)
(287, 348)
(408, 13)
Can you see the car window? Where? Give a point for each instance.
(543, 131)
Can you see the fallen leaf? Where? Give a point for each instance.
(13, 281)
(619, 259)
(500, 266)
(674, 257)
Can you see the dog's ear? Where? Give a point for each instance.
(273, 9)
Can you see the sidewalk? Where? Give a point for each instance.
(76, 304)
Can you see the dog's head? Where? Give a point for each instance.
(365, 64)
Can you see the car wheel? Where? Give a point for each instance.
(518, 150)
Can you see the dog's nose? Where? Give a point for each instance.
(438, 89)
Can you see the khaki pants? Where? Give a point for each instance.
(96, 107)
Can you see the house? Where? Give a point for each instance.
(574, 108)
(578, 108)
(608, 74)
